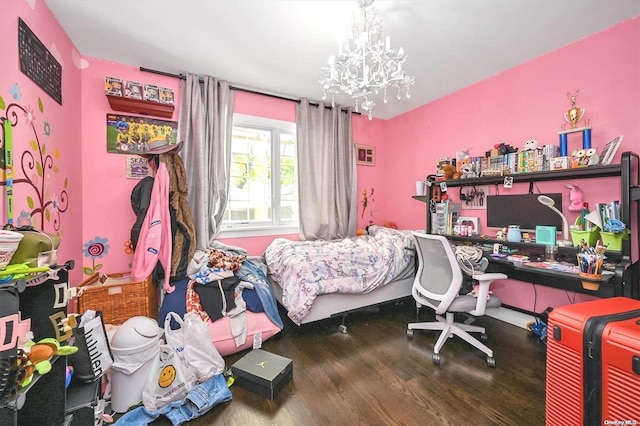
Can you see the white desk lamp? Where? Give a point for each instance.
(548, 201)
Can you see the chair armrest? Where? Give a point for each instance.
(484, 282)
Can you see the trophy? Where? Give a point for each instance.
(575, 114)
(573, 117)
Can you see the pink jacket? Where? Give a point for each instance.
(155, 241)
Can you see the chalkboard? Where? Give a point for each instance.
(38, 63)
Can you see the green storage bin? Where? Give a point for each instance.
(591, 236)
(612, 240)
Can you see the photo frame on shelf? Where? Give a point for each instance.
(609, 150)
(365, 155)
(469, 222)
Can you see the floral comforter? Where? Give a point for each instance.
(306, 269)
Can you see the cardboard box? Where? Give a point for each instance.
(151, 93)
(262, 372)
(133, 89)
(166, 95)
(559, 163)
(113, 86)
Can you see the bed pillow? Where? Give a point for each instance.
(224, 342)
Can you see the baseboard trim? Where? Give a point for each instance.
(510, 316)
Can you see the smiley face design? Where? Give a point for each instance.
(167, 376)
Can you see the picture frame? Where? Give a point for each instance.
(609, 150)
(467, 222)
(365, 155)
(474, 197)
(132, 135)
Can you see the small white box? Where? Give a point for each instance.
(559, 163)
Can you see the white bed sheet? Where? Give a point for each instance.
(319, 279)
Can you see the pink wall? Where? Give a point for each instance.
(47, 141)
(525, 102)
(107, 213)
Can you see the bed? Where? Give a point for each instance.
(315, 280)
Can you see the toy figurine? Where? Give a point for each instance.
(575, 197)
(531, 145)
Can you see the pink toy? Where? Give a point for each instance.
(575, 198)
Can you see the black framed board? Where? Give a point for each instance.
(37, 63)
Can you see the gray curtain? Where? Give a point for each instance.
(326, 172)
(205, 125)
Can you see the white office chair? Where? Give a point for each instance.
(437, 285)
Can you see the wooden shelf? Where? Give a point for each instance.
(139, 106)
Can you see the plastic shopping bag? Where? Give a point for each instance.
(94, 356)
(169, 381)
(193, 343)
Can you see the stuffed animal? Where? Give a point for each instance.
(450, 172)
(39, 355)
(531, 145)
(468, 171)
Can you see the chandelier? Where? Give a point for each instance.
(365, 65)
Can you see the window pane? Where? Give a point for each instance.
(250, 175)
(288, 178)
(263, 174)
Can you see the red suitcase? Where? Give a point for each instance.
(621, 372)
(575, 383)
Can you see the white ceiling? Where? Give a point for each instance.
(280, 46)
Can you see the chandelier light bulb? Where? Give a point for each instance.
(366, 64)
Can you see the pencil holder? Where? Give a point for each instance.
(612, 240)
(590, 285)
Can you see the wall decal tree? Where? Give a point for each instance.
(35, 163)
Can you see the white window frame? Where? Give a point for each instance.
(255, 230)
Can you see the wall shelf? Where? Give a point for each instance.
(139, 106)
(583, 172)
(627, 273)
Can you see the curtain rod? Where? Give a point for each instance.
(241, 89)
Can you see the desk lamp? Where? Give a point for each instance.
(548, 201)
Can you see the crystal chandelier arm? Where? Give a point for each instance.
(365, 63)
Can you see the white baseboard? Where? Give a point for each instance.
(510, 316)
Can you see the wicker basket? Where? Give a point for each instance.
(118, 296)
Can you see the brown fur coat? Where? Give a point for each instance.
(184, 219)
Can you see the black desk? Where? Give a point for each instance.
(550, 278)
(611, 285)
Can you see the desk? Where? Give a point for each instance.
(611, 285)
(563, 280)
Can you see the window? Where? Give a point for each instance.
(263, 192)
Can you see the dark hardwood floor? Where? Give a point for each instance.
(375, 375)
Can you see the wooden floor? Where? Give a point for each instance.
(376, 375)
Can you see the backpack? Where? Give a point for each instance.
(140, 200)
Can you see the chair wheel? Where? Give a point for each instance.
(491, 362)
(484, 337)
(410, 334)
(342, 329)
(436, 359)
